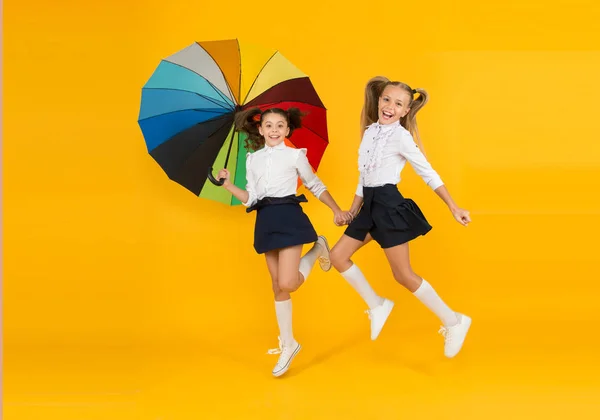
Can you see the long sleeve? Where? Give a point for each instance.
(418, 161)
(359, 187)
(250, 183)
(310, 180)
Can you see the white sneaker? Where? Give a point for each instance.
(455, 335)
(287, 354)
(324, 260)
(378, 316)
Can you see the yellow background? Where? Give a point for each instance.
(127, 297)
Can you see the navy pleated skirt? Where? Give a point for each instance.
(280, 223)
(390, 218)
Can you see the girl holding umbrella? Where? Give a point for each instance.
(281, 226)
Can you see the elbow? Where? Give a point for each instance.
(319, 192)
(251, 200)
(435, 184)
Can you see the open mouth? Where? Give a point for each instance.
(387, 115)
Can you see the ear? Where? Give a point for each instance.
(406, 113)
(287, 133)
(260, 130)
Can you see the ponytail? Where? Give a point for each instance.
(247, 121)
(370, 110)
(409, 121)
(294, 119)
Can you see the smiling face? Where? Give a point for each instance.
(274, 128)
(394, 103)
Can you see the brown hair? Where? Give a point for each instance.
(370, 111)
(249, 120)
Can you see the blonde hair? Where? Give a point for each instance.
(370, 111)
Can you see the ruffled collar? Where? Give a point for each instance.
(385, 127)
(371, 151)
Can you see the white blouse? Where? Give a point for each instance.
(384, 151)
(274, 171)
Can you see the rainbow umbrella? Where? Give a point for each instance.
(188, 105)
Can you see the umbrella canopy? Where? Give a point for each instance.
(189, 102)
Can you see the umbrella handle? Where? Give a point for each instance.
(212, 179)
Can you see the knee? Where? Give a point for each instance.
(288, 284)
(339, 260)
(275, 285)
(405, 276)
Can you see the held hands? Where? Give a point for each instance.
(224, 174)
(342, 218)
(462, 216)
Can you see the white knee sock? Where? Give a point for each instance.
(426, 294)
(283, 310)
(357, 280)
(308, 261)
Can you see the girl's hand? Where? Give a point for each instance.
(342, 218)
(224, 173)
(461, 216)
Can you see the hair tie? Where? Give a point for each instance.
(414, 91)
(257, 117)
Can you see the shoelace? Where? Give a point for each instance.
(445, 332)
(278, 350)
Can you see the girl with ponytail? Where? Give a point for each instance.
(390, 138)
(281, 227)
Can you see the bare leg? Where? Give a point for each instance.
(340, 258)
(379, 307)
(290, 279)
(399, 260)
(272, 258)
(343, 251)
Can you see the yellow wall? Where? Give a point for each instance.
(99, 245)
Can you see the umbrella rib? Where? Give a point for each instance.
(316, 134)
(221, 70)
(182, 110)
(258, 75)
(298, 102)
(312, 131)
(194, 151)
(302, 102)
(229, 149)
(291, 141)
(207, 81)
(195, 93)
(240, 81)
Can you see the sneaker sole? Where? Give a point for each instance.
(287, 366)
(325, 263)
(384, 321)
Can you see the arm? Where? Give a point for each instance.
(411, 152)
(356, 205)
(462, 216)
(248, 196)
(237, 192)
(358, 198)
(423, 168)
(312, 182)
